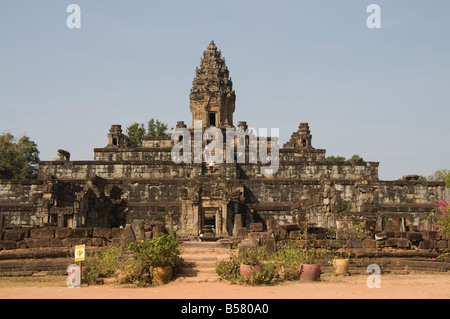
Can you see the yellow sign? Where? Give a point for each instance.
(80, 252)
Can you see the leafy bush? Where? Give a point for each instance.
(265, 269)
(289, 257)
(159, 252)
(263, 275)
(229, 269)
(284, 264)
(254, 256)
(102, 263)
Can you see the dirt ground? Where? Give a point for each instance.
(412, 286)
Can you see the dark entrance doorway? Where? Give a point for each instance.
(209, 222)
(212, 119)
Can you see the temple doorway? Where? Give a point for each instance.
(208, 223)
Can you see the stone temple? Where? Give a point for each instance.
(124, 183)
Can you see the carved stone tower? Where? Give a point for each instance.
(300, 139)
(116, 138)
(212, 99)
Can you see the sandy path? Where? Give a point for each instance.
(418, 286)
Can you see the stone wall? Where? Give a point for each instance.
(324, 202)
(63, 237)
(393, 251)
(425, 240)
(135, 154)
(46, 237)
(49, 250)
(158, 165)
(79, 170)
(316, 170)
(296, 155)
(409, 192)
(20, 191)
(321, 201)
(18, 201)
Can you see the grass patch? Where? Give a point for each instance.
(32, 281)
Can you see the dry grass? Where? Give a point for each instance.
(33, 281)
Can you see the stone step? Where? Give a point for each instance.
(204, 257)
(200, 260)
(204, 251)
(199, 278)
(206, 244)
(193, 247)
(200, 264)
(194, 271)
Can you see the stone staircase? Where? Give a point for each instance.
(214, 170)
(200, 259)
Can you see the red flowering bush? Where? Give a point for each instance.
(443, 223)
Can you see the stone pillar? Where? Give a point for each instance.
(224, 219)
(270, 242)
(184, 217)
(237, 224)
(168, 219)
(60, 220)
(196, 225)
(137, 226)
(219, 222)
(76, 209)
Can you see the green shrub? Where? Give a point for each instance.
(284, 264)
(251, 257)
(293, 253)
(102, 263)
(230, 269)
(264, 275)
(289, 257)
(159, 252)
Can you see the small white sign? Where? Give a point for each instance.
(74, 278)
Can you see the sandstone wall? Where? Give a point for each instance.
(45, 237)
(315, 170)
(137, 154)
(18, 201)
(23, 191)
(158, 165)
(80, 170)
(409, 192)
(328, 201)
(295, 155)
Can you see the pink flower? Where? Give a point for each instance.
(433, 259)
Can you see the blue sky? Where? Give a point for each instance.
(383, 94)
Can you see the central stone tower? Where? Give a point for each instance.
(212, 99)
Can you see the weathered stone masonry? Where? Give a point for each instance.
(124, 183)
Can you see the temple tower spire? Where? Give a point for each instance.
(212, 98)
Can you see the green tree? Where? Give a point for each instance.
(439, 175)
(355, 157)
(156, 128)
(335, 159)
(342, 158)
(136, 131)
(20, 158)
